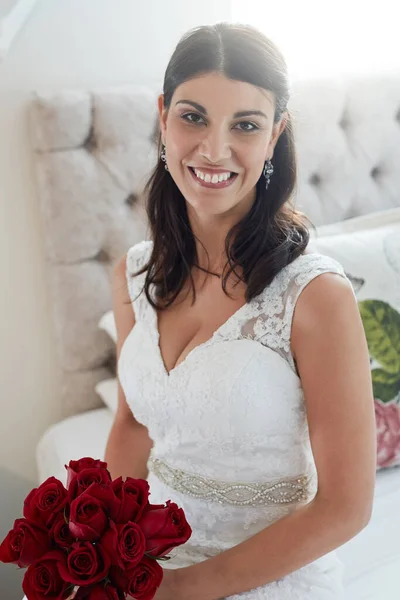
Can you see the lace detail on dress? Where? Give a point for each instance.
(232, 411)
(137, 256)
(273, 325)
(268, 317)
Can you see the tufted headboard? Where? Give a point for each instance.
(94, 149)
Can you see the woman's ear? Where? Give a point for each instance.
(162, 114)
(276, 132)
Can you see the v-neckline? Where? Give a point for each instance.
(207, 342)
(202, 345)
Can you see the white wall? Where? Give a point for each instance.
(64, 44)
(328, 38)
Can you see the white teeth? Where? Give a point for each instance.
(217, 178)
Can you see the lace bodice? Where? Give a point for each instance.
(232, 412)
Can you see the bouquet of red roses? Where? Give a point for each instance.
(96, 539)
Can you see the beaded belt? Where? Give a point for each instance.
(282, 491)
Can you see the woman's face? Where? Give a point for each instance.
(218, 134)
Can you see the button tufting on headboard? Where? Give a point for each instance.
(376, 172)
(344, 121)
(315, 179)
(90, 143)
(131, 200)
(102, 256)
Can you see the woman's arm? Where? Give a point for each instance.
(128, 445)
(329, 345)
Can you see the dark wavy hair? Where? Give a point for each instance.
(272, 234)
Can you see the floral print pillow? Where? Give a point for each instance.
(388, 429)
(382, 328)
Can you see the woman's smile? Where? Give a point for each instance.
(212, 178)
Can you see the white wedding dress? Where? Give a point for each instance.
(231, 441)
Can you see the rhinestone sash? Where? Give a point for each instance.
(282, 491)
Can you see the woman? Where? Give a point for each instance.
(245, 393)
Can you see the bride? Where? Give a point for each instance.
(244, 381)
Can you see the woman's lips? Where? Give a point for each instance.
(215, 186)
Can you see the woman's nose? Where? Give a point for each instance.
(215, 146)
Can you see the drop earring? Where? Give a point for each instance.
(164, 158)
(267, 172)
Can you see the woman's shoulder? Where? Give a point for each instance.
(294, 277)
(138, 254)
(310, 264)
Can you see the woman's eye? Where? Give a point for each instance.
(247, 126)
(196, 119)
(192, 118)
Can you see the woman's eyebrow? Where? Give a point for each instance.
(237, 115)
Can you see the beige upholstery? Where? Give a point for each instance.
(93, 151)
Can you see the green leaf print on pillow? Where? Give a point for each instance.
(386, 386)
(382, 329)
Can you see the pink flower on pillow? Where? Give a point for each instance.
(388, 433)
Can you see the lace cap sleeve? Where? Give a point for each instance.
(297, 276)
(136, 258)
(274, 325)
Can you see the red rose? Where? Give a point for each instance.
(144, 579)
(109, 543)
(76, 466)
(87, 563)
(125, 544)
(134, 497)
(164, 527)
(61, 534)
(24, 544)
(118, 578)
(84, 479)
(100, 591)
(43, 503)
(131, 543)
(91, 511)
(43, 579)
